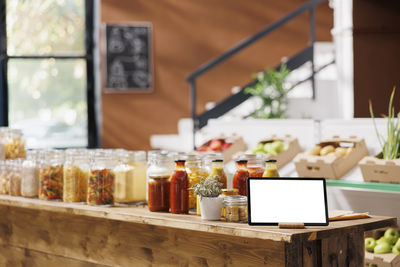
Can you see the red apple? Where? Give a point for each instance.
(225, 146)
(202, 148)
(216, 144)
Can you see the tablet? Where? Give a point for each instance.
(287, 200)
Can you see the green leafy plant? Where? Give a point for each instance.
(390, 146)
(207, 188)
(272, 90)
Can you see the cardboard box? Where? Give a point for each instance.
(331, 166)
(380, 170)
(237, 142)
(286, 156)
(382, 260)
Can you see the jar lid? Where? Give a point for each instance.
(270, 161)
(235, 199)
(230, 192)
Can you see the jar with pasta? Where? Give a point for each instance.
(30, 174)
(196, 172)
(235, 208)
(4, 181)
(76, 168)
(101, 179)
(51, 175)
(14, 144)
(15, 177)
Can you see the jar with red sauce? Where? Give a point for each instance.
(158, 186)
(240, 177)
(255, 164)
(179, 200)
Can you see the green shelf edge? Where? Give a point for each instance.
(385, 187)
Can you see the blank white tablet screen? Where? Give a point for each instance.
(287, 201)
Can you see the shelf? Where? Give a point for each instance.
(385, 187)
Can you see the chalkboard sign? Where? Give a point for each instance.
(128, 57)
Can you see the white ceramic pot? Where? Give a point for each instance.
(210, 208)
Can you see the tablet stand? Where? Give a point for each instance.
(291, 225)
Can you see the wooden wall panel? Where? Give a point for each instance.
(187, 34)
(376, 41)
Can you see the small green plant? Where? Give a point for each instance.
(390, 146)
(207, 188)
(272, 90)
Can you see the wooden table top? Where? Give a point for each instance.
(140, 214)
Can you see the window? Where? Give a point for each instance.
(47, 81)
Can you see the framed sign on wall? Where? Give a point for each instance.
(128, 57)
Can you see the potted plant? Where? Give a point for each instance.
(208, 191)
(385, 167)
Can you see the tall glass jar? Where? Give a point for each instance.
(159, 173)
(240, 177)
(14, 144)
(101, 179)
(218, 173)
(3, 143)
(51, 175)
(76, 170)
(179, 199)
(15, 178)
(196, 172)
(271, 170)
(4, 182)
(255, 164)
(130, 175)
(30, 174)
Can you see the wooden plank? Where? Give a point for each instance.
(112, 242)
(356, 250)
(141, 215)
(15, 256)
(294, 254)
(312, 253)
(334, 251)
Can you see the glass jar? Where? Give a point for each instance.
(255, 164)
(218, 173)
(76, 168)
(51, 175)
(208, 159)
(240, 177)
(235, 208)
(195, 171)
(271, 170)
(14, 144)
(225, 193)
(130, 177)
(179, 193)
(3, 142)
(101, 181)
(159, 173)
(15, 177)
(4, 182)
(30, 174)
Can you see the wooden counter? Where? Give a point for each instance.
(41, 233)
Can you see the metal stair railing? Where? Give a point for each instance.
(232, 101)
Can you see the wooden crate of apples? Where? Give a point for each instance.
(228, 146)
(383, 249)
(282, 149)
(332, 158)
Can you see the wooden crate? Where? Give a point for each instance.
(331, 166)
(380, 170)
(382, 260)
(238, 145)
(286, 156)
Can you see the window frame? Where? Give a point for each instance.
(92, 127)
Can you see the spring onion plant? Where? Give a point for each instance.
(390, 146)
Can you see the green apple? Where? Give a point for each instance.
(383, 247)
(277, 146)
(370, 244)
(381, 240)
(268, 147)
(391, 235)
(260, 146)
(396, 248)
